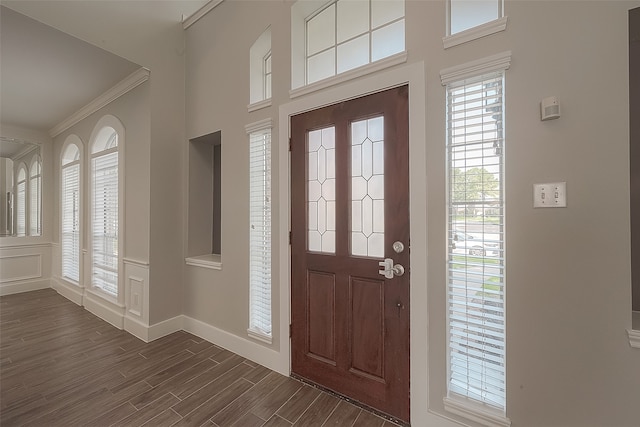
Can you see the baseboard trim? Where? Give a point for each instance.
(104, 310)
(24, 286)
(71, 292)
(166, 327)
(255, 352)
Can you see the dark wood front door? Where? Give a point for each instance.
(350, 212)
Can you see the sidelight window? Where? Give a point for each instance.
(475, 236)
(260, 231)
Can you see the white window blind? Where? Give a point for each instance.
(71, 221)
(476, 263)
(104, 169)
(35, 197)
(260, 233)
(21, 203)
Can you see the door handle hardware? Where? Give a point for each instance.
(389, 270)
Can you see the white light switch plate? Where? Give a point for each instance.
(550, 195)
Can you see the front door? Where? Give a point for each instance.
(350, 249)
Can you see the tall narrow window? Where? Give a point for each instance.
(476, 262)
(260, 231)
(70, 201)
(21, 202)
(35, 197)
(104, 211)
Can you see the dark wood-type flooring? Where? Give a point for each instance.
(62, 366)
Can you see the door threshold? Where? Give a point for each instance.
(361, 405)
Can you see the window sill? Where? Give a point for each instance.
(259, 105)
(476, 412)
(398, 58)
(475, 33)
(210, 261)
(260, 336)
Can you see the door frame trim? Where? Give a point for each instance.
(414, 75)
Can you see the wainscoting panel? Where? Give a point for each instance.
(136, 292)
(24, 268)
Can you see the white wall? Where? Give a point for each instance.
(568, 270)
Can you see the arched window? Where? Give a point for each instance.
(105, 209)
(35, 197)
(260, 71)
(21, 201)
(70, 210)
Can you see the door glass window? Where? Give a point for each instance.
(367, 187)
(321, 190)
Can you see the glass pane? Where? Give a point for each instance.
(387, 41)
(321, 191)
(385, 11)
(367, 187)
(321, 31)
(353, 19)
(321, 66)
(467, 14)
(354, 53)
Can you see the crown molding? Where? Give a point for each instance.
(195, 17)
(127, 84)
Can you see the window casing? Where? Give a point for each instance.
(35, 197)
(105, 212)
(70, 213)
(21, 202)
(260, 325)
(476, 319)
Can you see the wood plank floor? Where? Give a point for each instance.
(62, 366)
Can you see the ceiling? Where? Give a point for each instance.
(46, 74)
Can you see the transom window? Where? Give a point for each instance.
(466, 14)
(346, 34)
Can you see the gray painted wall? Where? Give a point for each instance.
(568, 270)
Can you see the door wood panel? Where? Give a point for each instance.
(350, 195)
